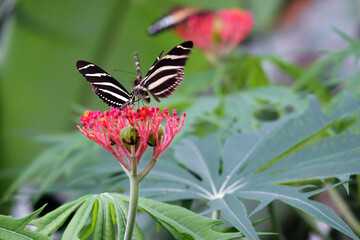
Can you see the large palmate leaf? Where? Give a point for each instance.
(107, 210)
(252, 165)
(14, 229)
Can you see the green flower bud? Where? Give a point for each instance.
(130, 136)
(151, 139)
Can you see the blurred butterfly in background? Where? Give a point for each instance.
(162, 79)
(176, 16)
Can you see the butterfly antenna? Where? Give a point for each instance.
(117, 70)
(137, 63)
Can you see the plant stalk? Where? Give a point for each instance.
(134, 199)
(346, 212)
(275, 222)
(217, 79)
(215, 214)
(357, 177)
(151, 164)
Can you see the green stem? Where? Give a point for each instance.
(134, 199)
(358, 183)
(217, 79)
(216, 214)
(275, 223)
(345, 210)
(147, 169)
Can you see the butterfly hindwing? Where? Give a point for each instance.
(107, 88)
(167, 73)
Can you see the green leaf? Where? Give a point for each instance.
(350, 85)
(242, 107)
(252, 165)
(354, 47)
(226, 206)
(287, 67)
(311, 78)
(96, 215)
(93, 215)
(14, 229)
(104, 225)
(246, 71)
(53, 220)
(181, 221)
(198, 110)
(63, 156)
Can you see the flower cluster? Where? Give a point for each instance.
(217, 34)
(127, 133)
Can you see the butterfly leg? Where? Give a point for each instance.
(142, 101)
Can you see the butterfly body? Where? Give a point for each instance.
(162, 79)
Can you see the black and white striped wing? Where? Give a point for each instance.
(166, 75)
(139, 90)
(108, 89)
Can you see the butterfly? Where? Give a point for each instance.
(162, 79)
(176, 16)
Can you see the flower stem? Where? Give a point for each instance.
(275, 222)
(134, 199)
(217, 79)
(358, 181)
(147, 169)
(346, 212)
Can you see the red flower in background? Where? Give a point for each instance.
(217, 34)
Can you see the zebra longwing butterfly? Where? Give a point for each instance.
(176, 16)
(162, 79)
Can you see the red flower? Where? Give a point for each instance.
(198, 28)
(217, 34)
(127, 134)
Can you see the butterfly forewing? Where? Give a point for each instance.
(176, 16)
(104, 85)
(165, 76)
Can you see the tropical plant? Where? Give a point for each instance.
(244, 145)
